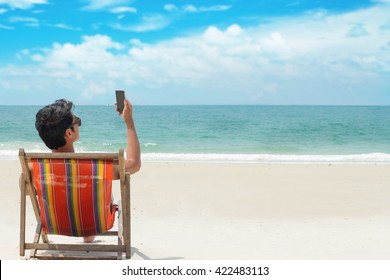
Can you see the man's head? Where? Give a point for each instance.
(57, 125)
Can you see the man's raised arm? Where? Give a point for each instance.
(133, 152)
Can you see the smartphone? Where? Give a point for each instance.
(120, 98)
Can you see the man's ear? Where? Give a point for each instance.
(68, 133)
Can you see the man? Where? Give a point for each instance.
(59, 128)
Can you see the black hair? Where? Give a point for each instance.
(52, 121)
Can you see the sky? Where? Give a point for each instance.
(187, 52)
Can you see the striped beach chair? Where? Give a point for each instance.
(71, 194)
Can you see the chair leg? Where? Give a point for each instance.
(120, 229)
(22, 240)
(37, 236)
(38, 231)
(127, 224)
(45, 239)
(34, 203)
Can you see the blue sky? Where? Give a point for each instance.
(195, 52)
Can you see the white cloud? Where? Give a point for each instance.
(66, 27)
(3, 11)
(148, 23)
(104, 4)
(22, 4)
(216, 8)
(317, 13)
(381, 1)
(92, 89)
(195, 9)
(305, 60)
(357, 31)
(137, 42)
(6, 27)
(190, 8)
(234, 30)
(123, 9)
(386, 46)
(38, 58)
(385, 26)
(27, 21)
(93, 51)
(34, 22)
(37, 11)
(23, 19)
(170, 7)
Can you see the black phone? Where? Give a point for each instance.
(120, 98)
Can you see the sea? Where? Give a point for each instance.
(282, 134)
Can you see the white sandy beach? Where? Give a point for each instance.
(228, 211)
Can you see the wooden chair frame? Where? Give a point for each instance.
(41, 240)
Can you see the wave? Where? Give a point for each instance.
(269, 158)
(149, 144)
(259, 158)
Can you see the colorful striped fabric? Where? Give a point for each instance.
(74, 195)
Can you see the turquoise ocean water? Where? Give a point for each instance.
(221, 133)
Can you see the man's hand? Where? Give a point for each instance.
(127, 113)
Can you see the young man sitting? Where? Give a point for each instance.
(59, 129)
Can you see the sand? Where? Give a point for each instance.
(242, 211)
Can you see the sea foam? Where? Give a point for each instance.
(239, 158)
(269, 158)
